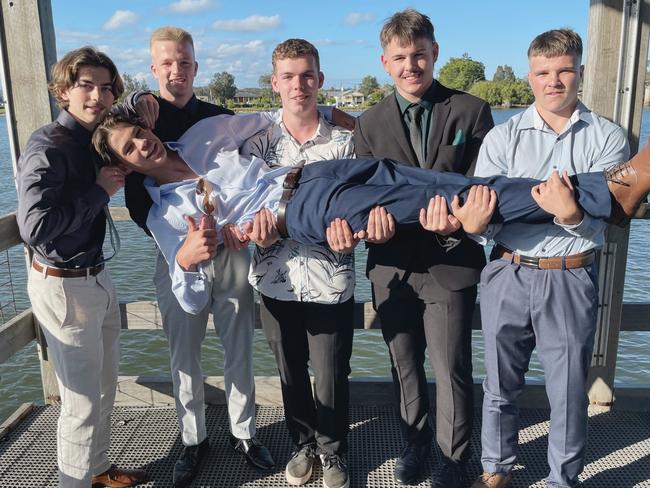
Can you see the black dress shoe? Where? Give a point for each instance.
(409, 464)
(451, 475)
(254, 452)
(187, 466)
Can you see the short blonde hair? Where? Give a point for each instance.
(295, 48)
(66, 71)
(170, 33)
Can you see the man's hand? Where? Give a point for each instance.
(476, 212)
(436, 217)
(147, 109)
(556, 196)
(340, 237)
(111, 179)
(343, 119)
(381, 227)
(262, 231)
(200, 243)
(234, 238)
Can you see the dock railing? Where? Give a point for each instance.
(22, 329)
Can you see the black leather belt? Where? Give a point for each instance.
(290, 184)
(580, 260)
(67, 273)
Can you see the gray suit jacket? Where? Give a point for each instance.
(458, 125)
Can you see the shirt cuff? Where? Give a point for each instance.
(190, 289)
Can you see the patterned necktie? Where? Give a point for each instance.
(415, 131)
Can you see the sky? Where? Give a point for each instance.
(239, 36)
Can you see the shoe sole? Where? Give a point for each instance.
(346, 485)
(295, 481)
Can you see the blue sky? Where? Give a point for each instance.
(239, 36)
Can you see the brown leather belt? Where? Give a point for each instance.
(290, 184)
(67, 273)
(561, 262)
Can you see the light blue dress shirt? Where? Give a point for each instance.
(242, 186)
(525, 146)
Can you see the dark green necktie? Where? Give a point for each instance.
(415, 130)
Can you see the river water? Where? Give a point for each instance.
(145, 352)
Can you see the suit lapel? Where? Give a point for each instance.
(392, 119)
(441, 108)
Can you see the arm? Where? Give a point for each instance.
(46, 209)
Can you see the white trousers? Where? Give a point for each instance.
(231, 305)
(80, 319)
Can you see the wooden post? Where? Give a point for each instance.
(613, 87)
(28, 51)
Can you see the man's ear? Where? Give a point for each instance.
(196, 68)
(321, 79)
(274, 83)
(436, 51)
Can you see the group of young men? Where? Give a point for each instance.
(424, 261)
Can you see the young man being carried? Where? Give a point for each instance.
(176, 109)
(63, 193)
(306, 200)
(540, 289)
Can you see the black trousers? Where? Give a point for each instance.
(302, 334)
(415, 318)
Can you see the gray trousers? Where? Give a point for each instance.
(555, 311)
(231, 305)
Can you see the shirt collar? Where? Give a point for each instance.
(323, 131)
(426, 101)
(79, 132)
(532, 120)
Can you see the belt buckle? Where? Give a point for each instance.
(529, 261)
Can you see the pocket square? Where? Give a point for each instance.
(459, 138)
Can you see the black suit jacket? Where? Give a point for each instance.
(380, 133)
(171, 125)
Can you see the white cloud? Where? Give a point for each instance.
(190, 6)
(356, 18)
(227, 50)
(252, 23)
(119, 19)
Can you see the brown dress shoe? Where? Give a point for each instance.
(493, 480)
(115, 477)
(629, 184)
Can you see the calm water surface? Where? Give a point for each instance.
(145, 352)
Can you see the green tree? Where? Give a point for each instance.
(375, 97)
(461, 73)
(504, 73)
(488, 91)
(368, 85)
(264, 82)
(132, 84)
(222, 87)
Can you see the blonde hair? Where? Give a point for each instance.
(170, 33)
(66, 71)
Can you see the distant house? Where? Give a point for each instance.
(248, 96)
(350, 98)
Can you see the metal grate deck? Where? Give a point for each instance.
(618, 454)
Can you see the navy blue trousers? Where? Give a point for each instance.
(350, 188)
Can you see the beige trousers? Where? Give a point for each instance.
(81, 322)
